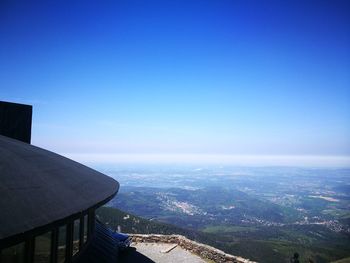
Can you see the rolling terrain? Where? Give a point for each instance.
(265, 214)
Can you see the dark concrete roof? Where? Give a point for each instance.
(38, 187)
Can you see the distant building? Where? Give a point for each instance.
(48, 202)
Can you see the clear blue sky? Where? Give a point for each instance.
(181, 77)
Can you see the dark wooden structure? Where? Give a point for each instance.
(47, 204)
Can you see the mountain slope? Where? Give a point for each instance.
(271, 244)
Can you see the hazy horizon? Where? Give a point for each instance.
(210, 160)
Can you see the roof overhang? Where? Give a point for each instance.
(39, 188)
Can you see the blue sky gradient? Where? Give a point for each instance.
(181, 77)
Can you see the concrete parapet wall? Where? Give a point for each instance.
(199, 249)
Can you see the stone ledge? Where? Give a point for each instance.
(199, 249)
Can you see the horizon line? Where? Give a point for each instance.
(331, 161)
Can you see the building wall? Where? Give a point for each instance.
(16, 121)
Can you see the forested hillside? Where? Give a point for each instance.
(267, 246)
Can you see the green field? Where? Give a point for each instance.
(227, 229)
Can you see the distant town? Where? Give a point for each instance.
(268, 207)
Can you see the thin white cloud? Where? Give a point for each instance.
(242, 160)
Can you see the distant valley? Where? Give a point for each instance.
(265, 214)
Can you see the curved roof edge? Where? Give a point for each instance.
(39, 188)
